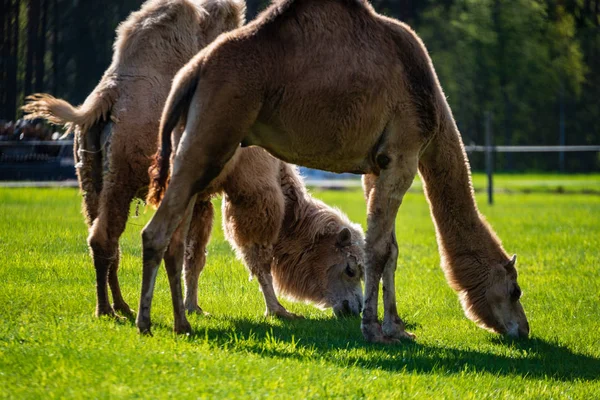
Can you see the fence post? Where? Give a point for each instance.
(561, 128)
(489, 157)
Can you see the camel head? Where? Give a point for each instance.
(345, 270)
(328, 273)
(497, 307)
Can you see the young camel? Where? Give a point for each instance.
(330, 84)
(115, 128)
(288, 240)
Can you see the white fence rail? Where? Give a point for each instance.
(529, 149)
(490, 150)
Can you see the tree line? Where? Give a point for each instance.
(534, 64)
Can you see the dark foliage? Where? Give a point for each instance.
(535, 64)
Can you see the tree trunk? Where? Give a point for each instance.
(55, 67)
(32, 29)
(41, 48)
(11, 63)
(4, 18)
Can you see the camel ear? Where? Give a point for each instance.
(511, 262)
(344, 238)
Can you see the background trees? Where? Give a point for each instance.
(535, 64)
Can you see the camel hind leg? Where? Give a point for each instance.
(104, 243)
(88, 163)
(88, 157)
(195, 252)
(398, 160)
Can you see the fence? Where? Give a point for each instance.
(489, 151)
(36, 160)
(53, 160)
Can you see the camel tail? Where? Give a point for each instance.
(57, 111)
(178, 102)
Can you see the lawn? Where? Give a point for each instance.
(51, 346)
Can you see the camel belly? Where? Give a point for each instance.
(334, 132)
(315, 149)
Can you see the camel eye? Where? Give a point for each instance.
(516, 293)
(349, 271)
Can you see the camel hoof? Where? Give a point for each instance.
(105, 312)
(396, 331)
(283, 314)
(145, 332)
(195, 309)
(372, 332)
(402, 336)
(182, 328)
(124, 309)
(143, 325)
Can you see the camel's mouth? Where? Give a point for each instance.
(516, 330)
(346, 308)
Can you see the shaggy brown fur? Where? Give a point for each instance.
(115, 128)
(333, 85)
(313, 252)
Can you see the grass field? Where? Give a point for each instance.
(51, 346)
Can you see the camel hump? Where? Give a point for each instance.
(420, 79)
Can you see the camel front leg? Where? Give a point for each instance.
(384, 194)
(258, 258)
(156, 236)
(195, 252)
(393, 326)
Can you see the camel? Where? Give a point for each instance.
(292, 243)
(331, 84)
(115, 128)
(115, 132)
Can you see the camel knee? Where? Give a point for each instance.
(258, 259)
(382, 253)
(101, 245)
(154, 244)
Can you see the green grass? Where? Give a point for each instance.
(536, 183)
(51, 346)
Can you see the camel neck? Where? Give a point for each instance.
(461, 231)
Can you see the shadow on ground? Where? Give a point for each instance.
(340, 342)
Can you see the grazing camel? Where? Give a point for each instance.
(115, 128)
(290, 241)
(331, 84)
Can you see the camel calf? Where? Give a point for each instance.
(289, 241)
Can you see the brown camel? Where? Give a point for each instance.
(331, 84)
(290, 241)
(115, 128)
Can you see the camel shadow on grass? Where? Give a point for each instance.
(341, 343)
